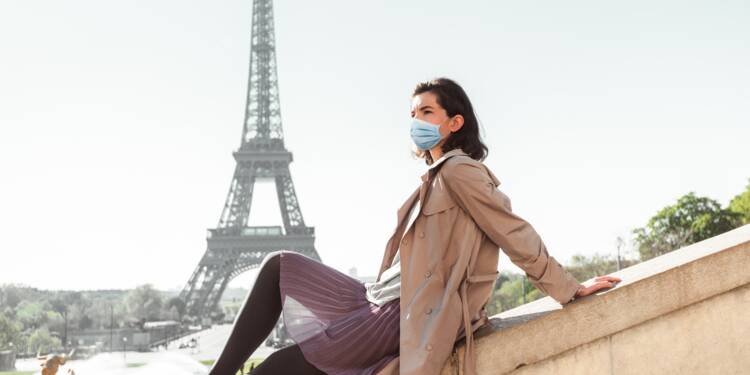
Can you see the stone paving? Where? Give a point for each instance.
(165, 362)
(173, 361)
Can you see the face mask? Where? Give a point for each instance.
(424, 134)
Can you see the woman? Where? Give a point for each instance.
(437, 274)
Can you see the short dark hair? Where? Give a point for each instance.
(455, 101)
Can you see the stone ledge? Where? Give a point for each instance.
(543, 328)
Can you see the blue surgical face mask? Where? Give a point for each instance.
(425, 134)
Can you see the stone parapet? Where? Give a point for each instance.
(685, 312)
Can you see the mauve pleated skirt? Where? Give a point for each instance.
(327, 314)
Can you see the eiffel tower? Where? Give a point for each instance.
(233, 247)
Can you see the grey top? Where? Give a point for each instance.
(389, 286)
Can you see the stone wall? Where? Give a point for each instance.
(685, 312)
(7, 360)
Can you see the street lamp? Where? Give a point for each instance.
(124, 347)
(111, 325)
(620, 244)
(13, 355)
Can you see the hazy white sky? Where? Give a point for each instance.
(118, 119)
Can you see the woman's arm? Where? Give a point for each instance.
(476, 194)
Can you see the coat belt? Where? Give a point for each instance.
(469, 360)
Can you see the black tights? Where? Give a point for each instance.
(254, 322)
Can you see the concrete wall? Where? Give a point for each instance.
(7, 360)
(686, 312)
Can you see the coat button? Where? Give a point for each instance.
(428, 347)
(421, 234)
(429, 311)
(427, 274)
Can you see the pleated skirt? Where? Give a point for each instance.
(327, 314)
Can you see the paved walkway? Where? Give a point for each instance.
(211, 343)
(173, 361)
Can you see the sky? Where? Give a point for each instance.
(118, 121)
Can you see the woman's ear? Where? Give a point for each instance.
(456, 123)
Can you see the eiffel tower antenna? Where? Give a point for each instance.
(233, 247)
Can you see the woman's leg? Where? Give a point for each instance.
(286, 361)
(255, 320)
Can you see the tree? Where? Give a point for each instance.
(178, 304)
(85, 322)
(61, 307)
(144, 302)
(80, 311)
(105, 310)
(690, 220)
(42, 341)
(740, 205)
(10, 296)
(32, 315)
(10, 333)
(584, 268)
(509, 293)
(172, 314)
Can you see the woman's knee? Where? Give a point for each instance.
(272, 260)
(275, 256)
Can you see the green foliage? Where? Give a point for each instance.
(144, 302)
(10, 333)
(10, 296)
(509, 287)
(42, 341)
(85, 322)
(690, 220)
(80, 311)
(740, 205)
(105, 310)
(27, 312)
(509, 293)
(60, 302)
(176, 308)
(584, 268)
(32, 314)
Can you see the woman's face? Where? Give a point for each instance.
(425, 107)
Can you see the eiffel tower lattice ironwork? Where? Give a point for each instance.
(233, 247)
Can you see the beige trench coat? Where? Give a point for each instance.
(462, 224)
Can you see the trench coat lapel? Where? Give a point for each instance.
(403, 212)
(392, 245)
(432, 170)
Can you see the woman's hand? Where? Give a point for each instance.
(600, 282)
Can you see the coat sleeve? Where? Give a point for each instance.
(474, 191)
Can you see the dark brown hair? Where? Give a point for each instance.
(455, 101)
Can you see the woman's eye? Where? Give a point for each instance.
(426, 112)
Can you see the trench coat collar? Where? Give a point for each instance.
(418, 195)
(454, 152)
